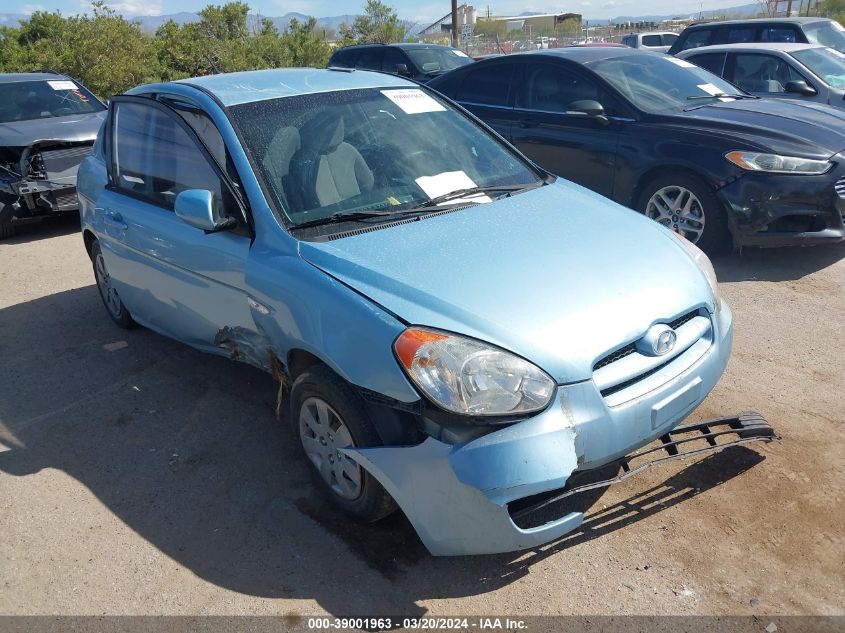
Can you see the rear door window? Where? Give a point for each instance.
(344, 58)
(741, 35)
(669, 39)
(779, 34)
(488, 85)
(370, 58)
(652, 40)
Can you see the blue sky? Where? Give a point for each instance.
(409, 9)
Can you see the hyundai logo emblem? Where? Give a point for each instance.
(665, 342)
(660, 339)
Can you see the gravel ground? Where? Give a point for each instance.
(138, 476)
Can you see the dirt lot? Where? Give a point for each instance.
(139, 476)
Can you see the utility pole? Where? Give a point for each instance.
(455, 23)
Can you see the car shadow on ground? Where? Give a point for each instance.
(45, 229)
(184, 449)
(777, 264)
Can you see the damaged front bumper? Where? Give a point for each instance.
(784, 210)
(457, 496)
(42, 178)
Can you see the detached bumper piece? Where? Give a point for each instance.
(716, 435)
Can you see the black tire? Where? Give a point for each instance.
(114, 306)
(319, 383)
(7, 229)
(715, 237)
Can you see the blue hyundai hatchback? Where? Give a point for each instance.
(454, 330)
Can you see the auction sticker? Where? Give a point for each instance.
(413, 101)
(62, 85)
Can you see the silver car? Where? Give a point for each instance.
(796, 71)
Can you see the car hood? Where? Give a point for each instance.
(558, 275)
(782, 126)
(73, 129)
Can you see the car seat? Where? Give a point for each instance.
(326, 169)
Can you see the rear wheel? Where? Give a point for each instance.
(686, 205)
(327, 415)
(114, 306)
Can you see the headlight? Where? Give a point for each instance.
(706, 267)
(775, 164)
(466, 376)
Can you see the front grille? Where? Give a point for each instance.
(615, 356)
(840, 187)
(631, 348)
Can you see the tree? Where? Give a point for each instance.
(379, 23)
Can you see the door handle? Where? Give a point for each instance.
(527, 123)
(116, 219)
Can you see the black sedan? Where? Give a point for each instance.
(669, 139)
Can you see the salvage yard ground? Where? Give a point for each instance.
(138, 476)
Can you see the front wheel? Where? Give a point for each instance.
(114, 306)
(687, 206)
(327, 415)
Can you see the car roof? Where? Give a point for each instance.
(403, 45)
(260, 85)
(587, 54)
(755, 21)
(786, 47)
(8, 78)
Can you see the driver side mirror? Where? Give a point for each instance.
(196, 208)
(402, 70)
(588, 108)
(799, 87)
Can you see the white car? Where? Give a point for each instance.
(653, 41)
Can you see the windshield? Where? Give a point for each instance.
(372, 150)
(28, 100)
(826, 63)
(830, 34)
(661, 84)
(436, 60)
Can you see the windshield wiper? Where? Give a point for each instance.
(721, 95)
(470, 191)
(344, 216)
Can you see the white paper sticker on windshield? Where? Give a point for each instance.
(680, 62)
(713, 90)
(447, 182)
(459, 53)
(413, 101)
(62, 85)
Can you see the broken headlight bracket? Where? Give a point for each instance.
(743, 429)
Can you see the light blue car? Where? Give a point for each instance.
(455, 331)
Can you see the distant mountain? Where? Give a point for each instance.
(150, 23)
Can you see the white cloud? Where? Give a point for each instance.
(29, 9)
(128, 8)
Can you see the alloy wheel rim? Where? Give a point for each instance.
(323, 433)
(107, 290)
(678, 209)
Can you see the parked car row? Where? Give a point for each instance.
(669, 139)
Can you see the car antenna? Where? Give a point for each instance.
(213, 64)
